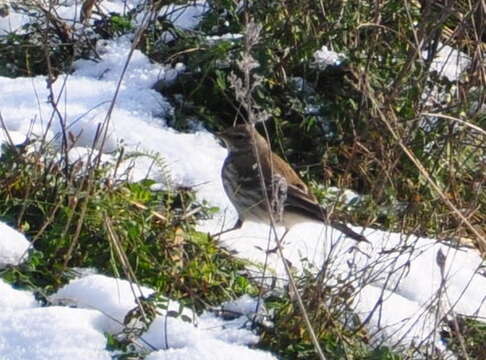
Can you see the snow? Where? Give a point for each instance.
(11, 138)
(186, 17)
(449, 62)
(12, 23)
(214, 349)
(114, 298)
(13, 299)
(52, 333)
(390, 262)
(13, 246)
(245, 303)
(399, 272)
(98, 305)
(183, 17)
(325, 57)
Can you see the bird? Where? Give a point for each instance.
(253, 173)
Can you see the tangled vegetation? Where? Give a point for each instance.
(380, 121)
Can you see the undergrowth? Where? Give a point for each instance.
(362, 123)
(347, 124)
(155, 229)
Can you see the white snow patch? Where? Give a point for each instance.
(52, 333)
(244, 305)
(449, 62)
(13, 22)
(112, 297)
(183, 17)
(325, 57)
(13, 246)
(406, 269)
(211, 350)
(186, 16)
(410, 325)
(10, 138)
(12, 299)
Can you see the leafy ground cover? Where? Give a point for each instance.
(381, 120)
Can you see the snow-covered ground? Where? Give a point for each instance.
(401, 273)
(29, 331)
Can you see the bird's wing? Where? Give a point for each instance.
(298, 196)
(302, 201)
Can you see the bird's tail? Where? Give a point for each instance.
(348, 232)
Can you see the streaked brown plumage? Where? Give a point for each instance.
(289, 198)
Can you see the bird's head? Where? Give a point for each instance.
(239, 137)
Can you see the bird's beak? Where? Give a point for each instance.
(221, 138)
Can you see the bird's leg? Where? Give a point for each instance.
(278, 196)
(236, 226)
(279, 242)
